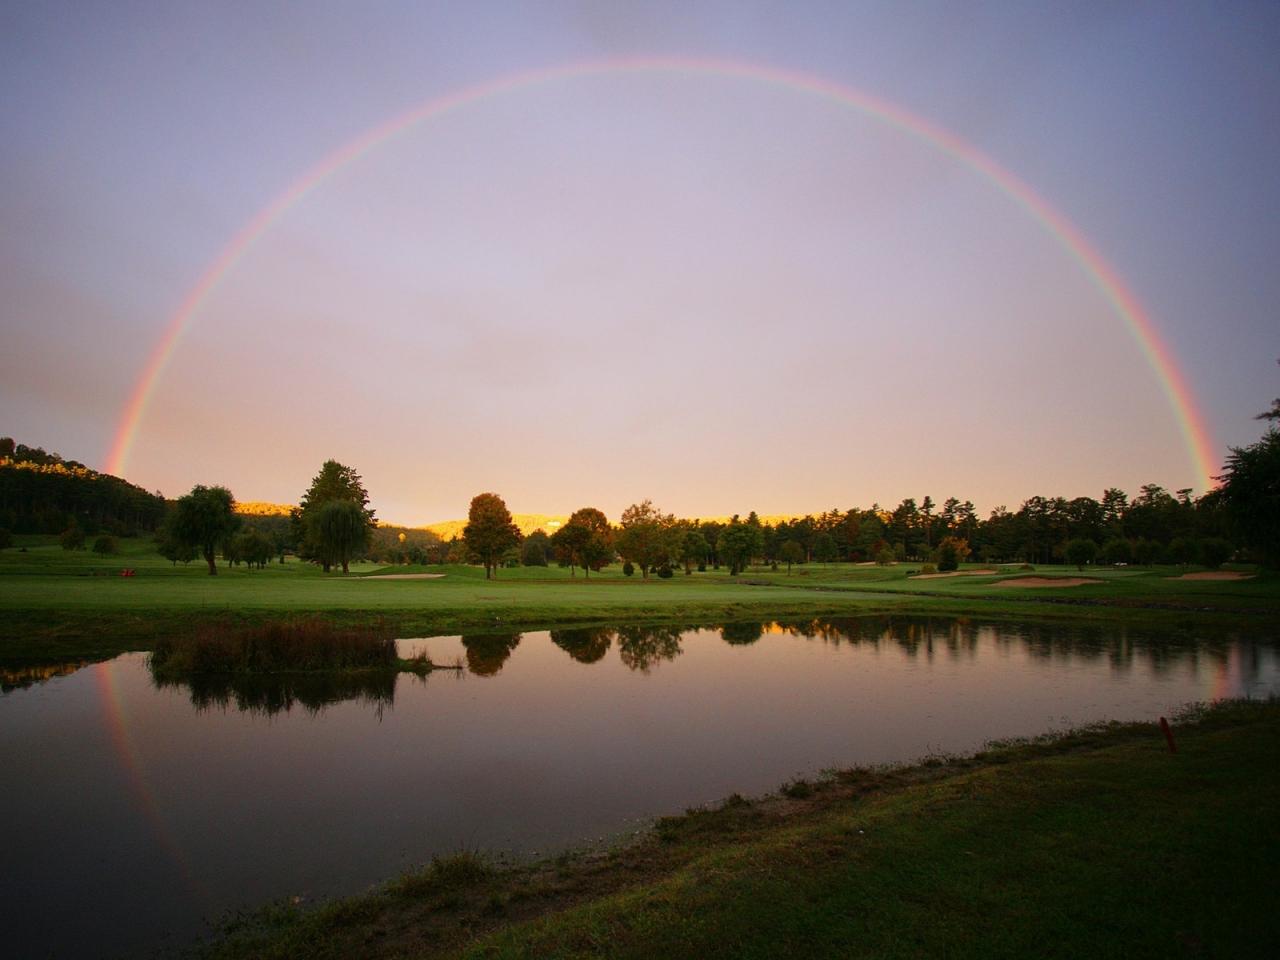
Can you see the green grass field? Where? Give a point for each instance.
(56, 603)
(1094, 844)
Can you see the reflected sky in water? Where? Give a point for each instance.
(151, 807)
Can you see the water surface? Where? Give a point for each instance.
(132, 813)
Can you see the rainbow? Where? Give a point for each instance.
(1194, 430)
(113, 705)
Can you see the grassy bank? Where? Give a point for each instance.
(71, 605)
(1095, 844)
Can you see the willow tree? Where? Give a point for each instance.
(205, 518)
(338, 483)
(337, 530)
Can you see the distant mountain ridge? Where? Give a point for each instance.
(527, 522)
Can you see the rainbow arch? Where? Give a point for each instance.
(1196, 436)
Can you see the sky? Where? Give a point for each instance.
(682, 273)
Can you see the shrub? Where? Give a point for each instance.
(928, 568)
(665, 572)
(628, 569)
(106, 546)
(72, 538)
(884, 556)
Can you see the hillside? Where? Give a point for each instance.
(527, 522)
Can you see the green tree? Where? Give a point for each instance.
(489, 532)
(1117, 551)
(334, 482)
(1251, 496)
(337, 530)
(693, 550)
(1214, 552)
(1081, 551)
(72, 538)
(824, 547)
(646, 537)
(204, 518)
(739, 543)
(585, 540)
(106, 546)
(791, 552)
(534, 550)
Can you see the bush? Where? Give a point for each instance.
(72, 538)
(665, 572)
(928, 568)
(106, 546)
(884, 557)
(628, 569)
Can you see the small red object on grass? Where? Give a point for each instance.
(126, 572)
(1168, 735)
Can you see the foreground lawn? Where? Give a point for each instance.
(1095, 844)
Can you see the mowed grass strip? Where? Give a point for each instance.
(1096, 844)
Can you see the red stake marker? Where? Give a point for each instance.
(1168, 735)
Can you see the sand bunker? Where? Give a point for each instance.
(1046, 582)
(403, 576)
(955, 573)
(1214, 575)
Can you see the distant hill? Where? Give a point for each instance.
(260, 508)
(527, 522)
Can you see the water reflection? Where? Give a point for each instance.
(642, 648)
(271, 694)
(586, 645)
(743, 634)
(486, 653)
(16, 678)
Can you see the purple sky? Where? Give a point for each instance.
(719, 293)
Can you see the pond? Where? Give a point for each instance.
(134, 813)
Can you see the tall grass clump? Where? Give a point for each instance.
(283, 646)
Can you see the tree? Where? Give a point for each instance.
(106, 546)
(739, 542)
(337, 531)
(533, 552)
(952, 551)
(646, 536)
(1080, 552)
(489, 531)
(1251, 495)
(72, 538)
(824, 547)
(1214, 552)
(1117, 551)
(791, 552)
(334, 482)
(203, 519)
(585, 540)
(693, 550)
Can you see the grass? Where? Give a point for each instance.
(1096, 843)
(65, 605)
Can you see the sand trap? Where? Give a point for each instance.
(1214, 575)
(1046, 582)
(403, 576)
(955, 573)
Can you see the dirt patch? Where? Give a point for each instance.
(1046, 582)
(1214, 575)
(402, 576)
(955, 573)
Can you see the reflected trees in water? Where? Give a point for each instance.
(642, 648)
(586, 644)
(486, 653)
(270, 694)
